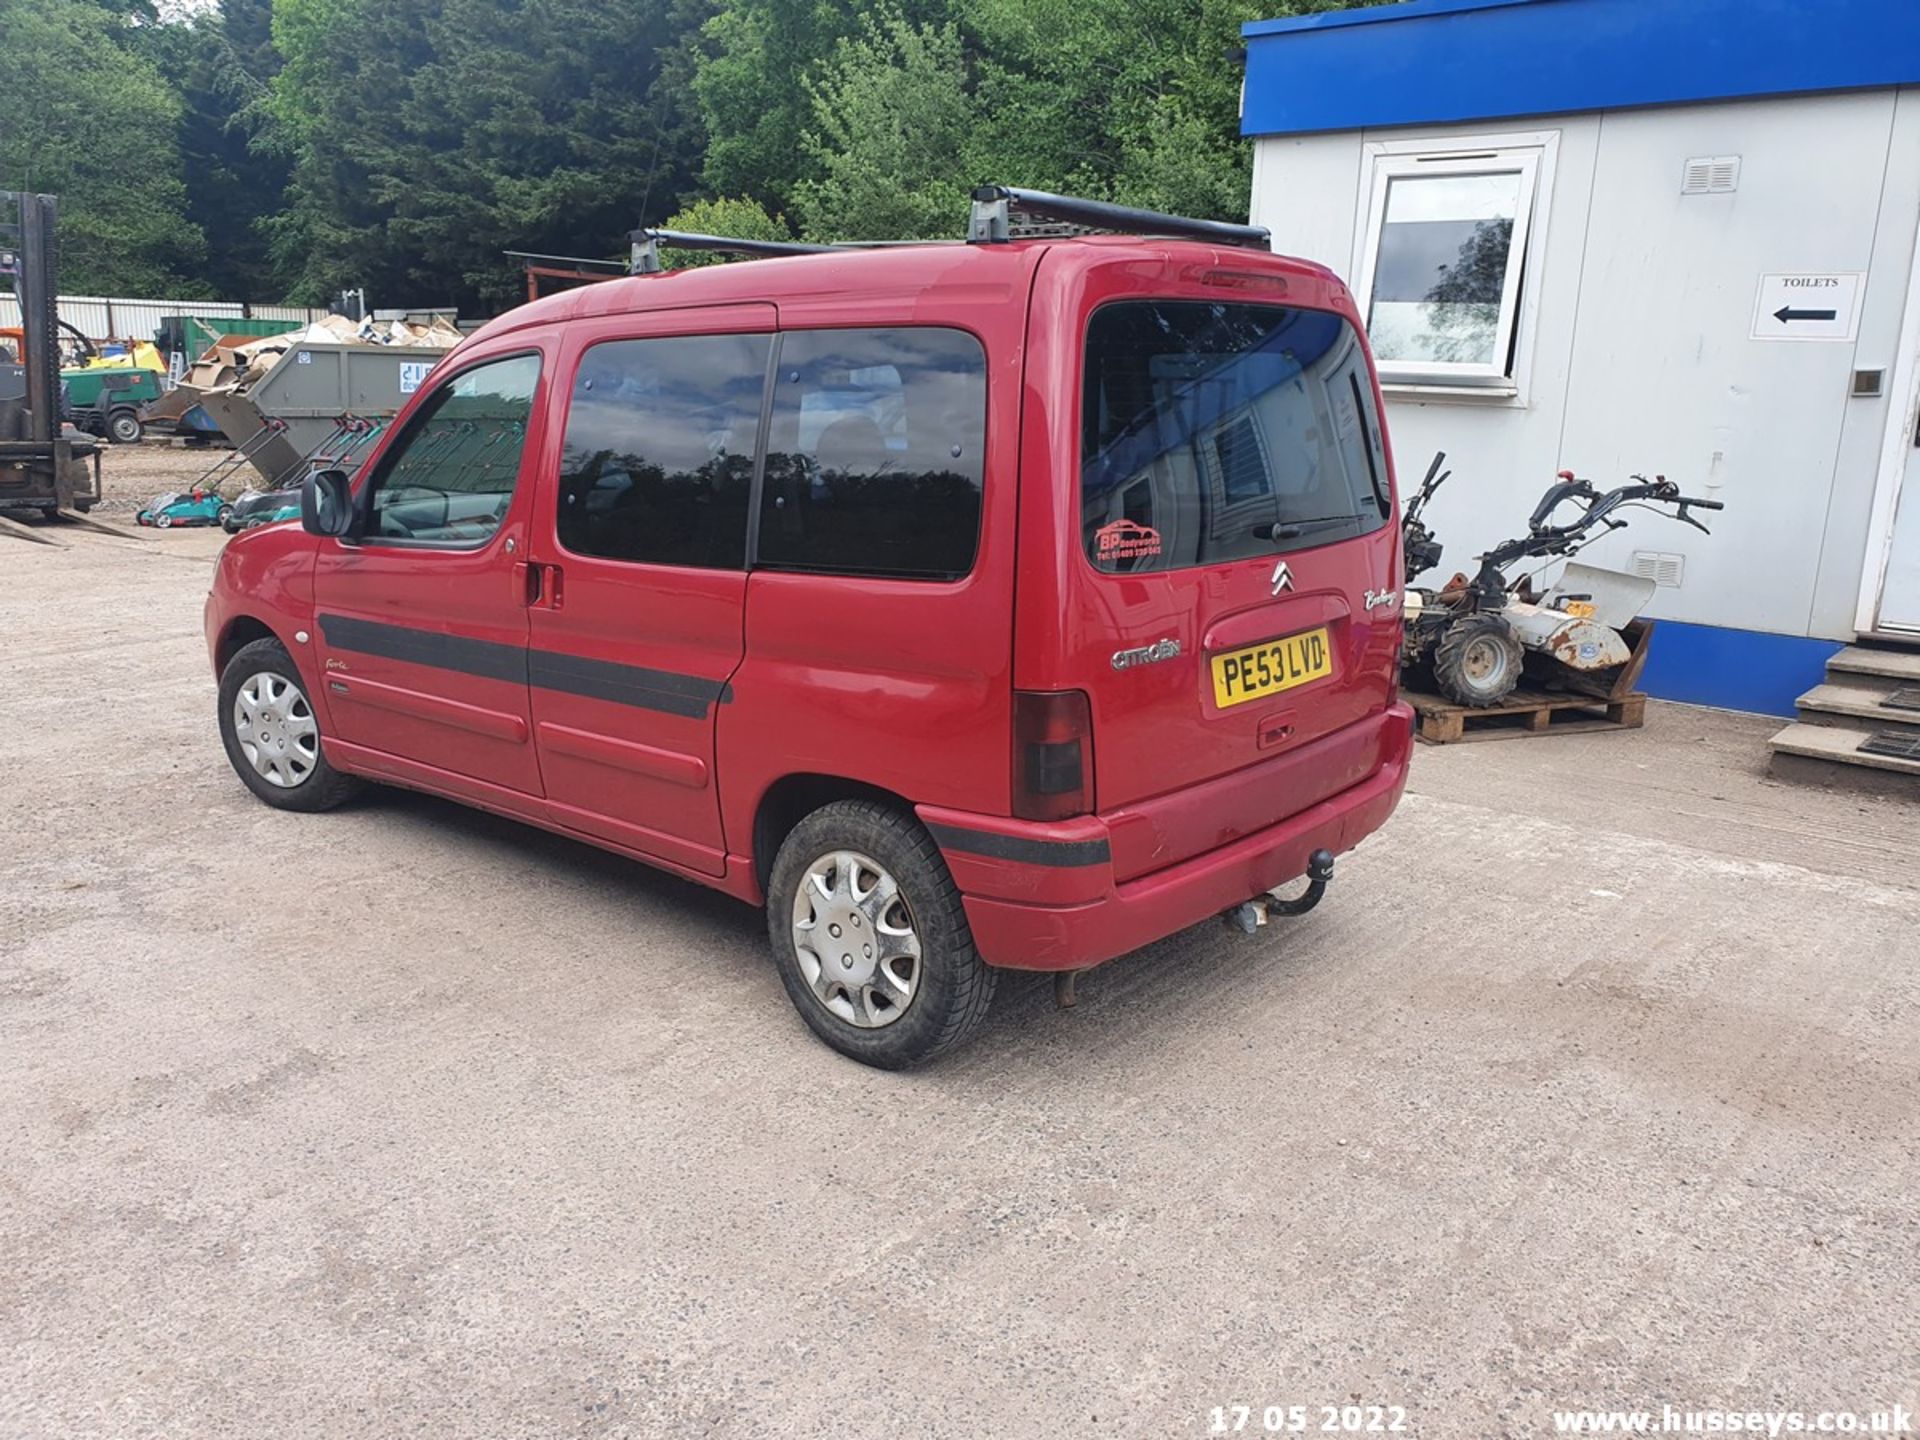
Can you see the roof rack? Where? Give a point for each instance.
(995, 205)
(647, 242)
(991, 223)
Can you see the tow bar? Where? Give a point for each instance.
(1254, 913)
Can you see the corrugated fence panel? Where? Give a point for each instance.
(101, 317)
(305, 314)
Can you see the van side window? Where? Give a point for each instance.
(451, 477)
(875, 459)
(657, 466)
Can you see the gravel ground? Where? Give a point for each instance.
(131, 475)
(1594, 1083)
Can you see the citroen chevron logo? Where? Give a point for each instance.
(1282, 578)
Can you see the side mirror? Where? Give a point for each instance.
(326, 503)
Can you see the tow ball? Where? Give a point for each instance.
(1254, 913)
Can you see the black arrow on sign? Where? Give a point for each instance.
(1787, 312)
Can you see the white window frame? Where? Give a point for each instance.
(1531, 155)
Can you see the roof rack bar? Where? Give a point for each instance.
(647, 243)
(993, 207)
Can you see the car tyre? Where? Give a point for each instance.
(261, 689)
(1478, 661)
(873, 877)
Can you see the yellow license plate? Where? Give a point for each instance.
(1271, 666)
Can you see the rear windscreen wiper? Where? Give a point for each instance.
(1293, 529)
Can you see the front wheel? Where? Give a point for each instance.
(1478, 661)
(272, 735)
(871, 939)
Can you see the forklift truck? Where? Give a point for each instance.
(43, 465)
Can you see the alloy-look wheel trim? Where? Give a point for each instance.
(855, 938)
(275, 728)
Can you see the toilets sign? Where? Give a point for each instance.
(1807, 306)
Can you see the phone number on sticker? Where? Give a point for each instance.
(1306, 1419)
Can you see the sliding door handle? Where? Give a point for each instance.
(527, 583)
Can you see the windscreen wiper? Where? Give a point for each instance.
(1293, 529)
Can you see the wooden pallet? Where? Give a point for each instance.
(1525, 712)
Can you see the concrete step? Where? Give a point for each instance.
(1886, 664)
(1856, 706)
(1828, 755)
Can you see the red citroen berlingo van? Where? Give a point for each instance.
(1009, 603)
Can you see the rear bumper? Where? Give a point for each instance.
(1045, 897)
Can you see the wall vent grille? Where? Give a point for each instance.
(1711, 175)
(1660, 567)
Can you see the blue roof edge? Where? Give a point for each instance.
(1371, 15)
(1461, 61)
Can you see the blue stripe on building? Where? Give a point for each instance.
(1443, 61)
(1733, 669)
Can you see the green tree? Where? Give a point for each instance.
(894, 116)
(751, 67)
(448, 131)
(1129, 100)
(899, 107)
(220, 63)
(86, 117)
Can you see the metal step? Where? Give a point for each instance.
(1893, 744)
(1841, 747)
(1901, 665)
(1908, 699)
(1861, 706)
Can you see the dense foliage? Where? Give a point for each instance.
(259, 148)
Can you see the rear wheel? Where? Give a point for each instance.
(1478, 661)
(272, 735)
(124, 428)
(870, 937)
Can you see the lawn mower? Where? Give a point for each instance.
(184, 507)
(1472, 639)
(262, 507)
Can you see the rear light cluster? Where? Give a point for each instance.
(1052, 754)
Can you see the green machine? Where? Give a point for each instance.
(106, 399)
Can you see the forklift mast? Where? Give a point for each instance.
(40, 466)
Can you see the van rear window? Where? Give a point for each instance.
(1213, 432)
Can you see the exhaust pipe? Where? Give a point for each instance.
(1251, 915)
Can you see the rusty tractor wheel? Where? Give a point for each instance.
(1478, 661)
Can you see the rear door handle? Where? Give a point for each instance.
(539, 586)
(526, 582)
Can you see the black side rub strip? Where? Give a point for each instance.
(622, 684)
(664, 690)
(488, 659)
(1065, 854)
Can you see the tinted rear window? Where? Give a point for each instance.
(876, 457)
(1213, 432)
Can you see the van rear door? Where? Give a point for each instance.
(1226, 588)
